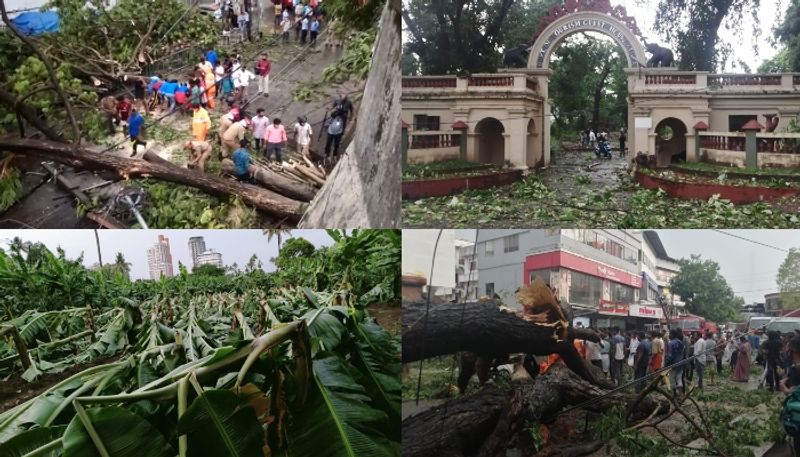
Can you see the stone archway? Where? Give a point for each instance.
(670, 140)
(574, 17)
(491, 141)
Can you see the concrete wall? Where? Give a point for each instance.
(432, 154)
(737, 158)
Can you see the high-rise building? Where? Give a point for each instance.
(159, 259)
(209, 257)
(197, 246)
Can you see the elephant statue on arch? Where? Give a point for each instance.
(517, 57)
(662, 57)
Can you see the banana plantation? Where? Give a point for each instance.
(249, 364)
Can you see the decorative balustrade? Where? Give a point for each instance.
(670, 79)
(796, 80)
(434, 140)
(722, 142)
(430, 83)
(491, 81)
(744, 80)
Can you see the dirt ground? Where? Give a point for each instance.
(15, 390)
(387, 315)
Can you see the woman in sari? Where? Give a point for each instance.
(742, 371)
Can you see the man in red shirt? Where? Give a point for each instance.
(263, 68)
(124, 108)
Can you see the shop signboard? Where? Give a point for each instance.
(651, 312)
(611, 308)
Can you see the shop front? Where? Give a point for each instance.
(646, 317)
(596, 291)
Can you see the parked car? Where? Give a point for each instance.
(784, 325)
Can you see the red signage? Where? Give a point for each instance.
(612, 308)
(569, 260)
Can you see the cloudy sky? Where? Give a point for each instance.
(750, 268)
(235, 245)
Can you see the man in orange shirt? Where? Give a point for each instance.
(200, 123)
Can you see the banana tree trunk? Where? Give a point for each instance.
(22, 348)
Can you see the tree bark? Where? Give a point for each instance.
(265, 200)
(277, 182)
(598, 96)
(363, 189)
(483, 424)
(484, 329)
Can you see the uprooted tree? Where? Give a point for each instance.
(57, 79)
(493, 420)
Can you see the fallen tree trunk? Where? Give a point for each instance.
(277, 182)
(263, 199)
(485, 329)
(364, 190)
(484, 424)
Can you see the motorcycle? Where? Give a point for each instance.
(602, 150)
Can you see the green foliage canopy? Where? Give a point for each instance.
(789, 280)
(706, 292)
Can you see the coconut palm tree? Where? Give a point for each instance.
(122, 266)
(277, 233)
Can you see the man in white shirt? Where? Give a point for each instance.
(302, 134)
(241, 80)
(260, 123)
(700, 358)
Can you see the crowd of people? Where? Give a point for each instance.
(692, 358)
(589, 139)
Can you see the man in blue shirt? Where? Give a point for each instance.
(167, 91)
(314, 31)
(241, 163)
(135, 124)
(211, 56)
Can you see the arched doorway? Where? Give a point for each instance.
(491, 143)
(534, 157)
(571, 17)
(670, 141)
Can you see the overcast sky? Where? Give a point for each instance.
(769, 14)
(750, 268)
(235, 245)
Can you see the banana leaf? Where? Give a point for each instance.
(33, 439)
(378, 359)
(326, 332)
(218, 423)
(337, 419)
(123, 433)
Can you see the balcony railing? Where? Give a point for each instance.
(770, 143)
(476, 82)
(726, 142)
(670, 79)
(432, 83)
(491, 81)
(744, 80)
(434, 140)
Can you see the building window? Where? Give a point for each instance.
(488, 249)
(735, 122)
(543, 274)
(511, 243)
(621, 294)
(490, 289)
(585, 289)
(425, 122)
